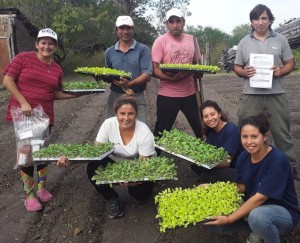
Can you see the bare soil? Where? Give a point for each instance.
(78, 213)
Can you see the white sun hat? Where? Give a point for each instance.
(174, 12)
(47, 33)
(124, 20)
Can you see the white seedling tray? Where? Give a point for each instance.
(139, 180)
(189, 159)
(77, 159)
(84, 90)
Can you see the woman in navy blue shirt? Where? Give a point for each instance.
(219, 132)
(265, 176)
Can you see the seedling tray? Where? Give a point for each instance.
(105, 77)
(84, 90)
(137, 180)
(77, 159)
(111, 76)
(179, 207)
(210, 166)
(177, 70)
(148, 169)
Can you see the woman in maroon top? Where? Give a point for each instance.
(34, 78)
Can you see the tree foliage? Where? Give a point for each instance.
(87, 26)
(160, 7)
(217, 39)
(239, 32)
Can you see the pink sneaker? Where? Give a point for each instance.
(44, 195)
(32, 204)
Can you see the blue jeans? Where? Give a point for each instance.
(270, 221)
(267, 221)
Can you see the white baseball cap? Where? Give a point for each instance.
(174, 12)
(47, 33)
(124, 20)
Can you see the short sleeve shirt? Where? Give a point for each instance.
(272, 177)
(36, 80)
(166, 49)
(275, 44)
(137, 60)
(142, 142)
(228, 138)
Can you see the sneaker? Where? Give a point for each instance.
(139, 204)
(32, 204)
(114, 208)
(44, 195)
(254, 238)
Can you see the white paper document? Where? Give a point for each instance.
(264, 74)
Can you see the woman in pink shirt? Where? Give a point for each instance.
(34, 78)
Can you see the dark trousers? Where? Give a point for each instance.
(168, 108)
(140, 192)
(30, 169)
(215, 174)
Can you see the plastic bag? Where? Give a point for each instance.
(30, 132)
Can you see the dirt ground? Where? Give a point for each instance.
(78, 213)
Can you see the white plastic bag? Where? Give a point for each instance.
(30, 132)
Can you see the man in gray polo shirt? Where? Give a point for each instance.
(130, 56)
(257, 99)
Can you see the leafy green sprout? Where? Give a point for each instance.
(84, 85)
(181, 207)
(102, 71)
(202, 153)
(152, 169)
(191, 67)
(73, 150)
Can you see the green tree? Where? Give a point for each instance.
(238, 33)
(217, 40)
(150, 11)
(85, 28)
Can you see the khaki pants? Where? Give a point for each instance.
(277, 106)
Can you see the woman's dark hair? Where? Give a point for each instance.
(261, 122)
(213, 104)
(125, 100)
(258, 10)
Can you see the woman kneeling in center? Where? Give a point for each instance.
(132, 139)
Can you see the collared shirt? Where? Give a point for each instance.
(137, 60)
(276, 45)
(272, 33)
